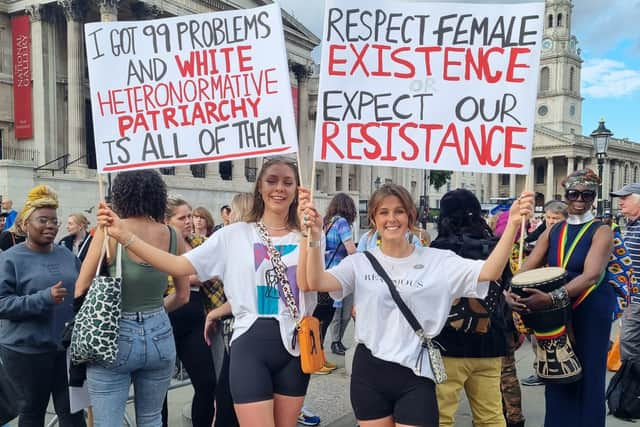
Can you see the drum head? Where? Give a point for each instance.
(538, 275)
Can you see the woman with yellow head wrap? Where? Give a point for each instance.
(35, 278)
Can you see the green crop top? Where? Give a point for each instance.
(143, 286)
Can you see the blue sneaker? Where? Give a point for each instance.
(307, 418)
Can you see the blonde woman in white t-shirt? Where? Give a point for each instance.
(390, 384)
(267, 382)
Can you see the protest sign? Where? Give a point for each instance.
(449, 86)
(190, 89)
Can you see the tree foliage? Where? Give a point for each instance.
(439, 178)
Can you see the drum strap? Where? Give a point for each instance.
(563, 259)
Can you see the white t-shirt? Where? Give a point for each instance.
(237, 255)
(428, 281)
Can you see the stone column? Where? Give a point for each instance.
(571, 167)
(330, 188)
(108, 10)
(550, 192)
(582, 163)
(237, 171)
(478, 184)
(495, 184)
(75, 11)
(531, 178)
(346, 170)
(513, 191)
(43, 74)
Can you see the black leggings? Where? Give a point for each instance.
(37, 377)
(324, 313)
(195, 355)
(261, 365)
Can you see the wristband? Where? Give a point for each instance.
(560, 297)
(314, 243)
(130, 241)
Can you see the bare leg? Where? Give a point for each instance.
(287, 409)
(256, 414)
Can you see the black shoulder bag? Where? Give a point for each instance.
(435, 358)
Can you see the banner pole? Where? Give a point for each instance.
(105, 246)
(522, 227)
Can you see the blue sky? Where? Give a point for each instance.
(609, 37)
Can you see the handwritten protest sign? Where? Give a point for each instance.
(447, 86)
(190, 89)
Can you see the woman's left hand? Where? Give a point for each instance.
(537, 300)
(309, 215)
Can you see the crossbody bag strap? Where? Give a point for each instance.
(406, 312)
(281, 271)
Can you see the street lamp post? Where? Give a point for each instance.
(601, 138)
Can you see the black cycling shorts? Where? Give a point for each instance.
(260, 365)
(380, 388)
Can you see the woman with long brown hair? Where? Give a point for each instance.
(267, 382)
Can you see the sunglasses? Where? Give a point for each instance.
(586, 195)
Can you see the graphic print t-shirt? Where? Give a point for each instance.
(238, 256)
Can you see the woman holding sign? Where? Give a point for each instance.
(395, 369)
(146, 348)
(267, 382)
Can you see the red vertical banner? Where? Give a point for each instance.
(22, 110)
(294, 95)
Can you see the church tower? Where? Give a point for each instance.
(559, 104)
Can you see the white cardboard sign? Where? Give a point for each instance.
(190, 89)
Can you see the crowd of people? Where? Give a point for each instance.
(217, 299)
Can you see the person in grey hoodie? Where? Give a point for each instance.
(37, 280)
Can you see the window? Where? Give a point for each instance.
(504, 179)
(540, 172)
(225, 169)
(168, 171)
(626, 175)
(572, 80)
(250, 170)
(550, 23)
(338, 178)
(352, 182)
(559, 23)
(1, 144)
(545, 77)
(198, 171)
(635, 174)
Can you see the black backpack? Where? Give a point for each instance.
(472, 315)
(623, 392)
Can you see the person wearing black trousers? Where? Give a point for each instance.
(188, 324)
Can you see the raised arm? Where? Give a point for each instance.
(174, 265)
(311, 257)
(183, 289)
(90, 263)
(494, 265)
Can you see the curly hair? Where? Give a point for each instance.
(257, 210)
(341, 205)
(139, 193)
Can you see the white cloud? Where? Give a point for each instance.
(607, 78)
